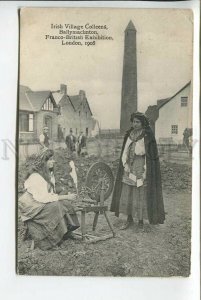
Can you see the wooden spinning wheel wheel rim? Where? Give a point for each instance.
(99, 175)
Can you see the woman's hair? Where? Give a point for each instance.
(141, 117)
(39, 165)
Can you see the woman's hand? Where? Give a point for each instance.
(67, 197)
(126, 168)
(72, 196)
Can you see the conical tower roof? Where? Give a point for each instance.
(130, 26)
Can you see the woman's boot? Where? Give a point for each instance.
(128, 223)
(140, 224)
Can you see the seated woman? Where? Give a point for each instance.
(49, 217)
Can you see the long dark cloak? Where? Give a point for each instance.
(155, 205)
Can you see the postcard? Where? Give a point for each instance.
(103, 91)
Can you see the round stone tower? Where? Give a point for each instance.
(129, 78)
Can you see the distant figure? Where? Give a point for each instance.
(44, 139)
(70, 143)
(81, 143)
(187, 139)
(60, 134)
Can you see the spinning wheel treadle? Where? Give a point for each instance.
(99, 177)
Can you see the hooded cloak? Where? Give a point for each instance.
(154, 197)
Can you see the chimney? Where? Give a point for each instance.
(63, 89)
(82, 95)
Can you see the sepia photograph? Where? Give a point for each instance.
(104, 142)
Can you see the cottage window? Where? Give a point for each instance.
(79, 113)
(184, 101)
(174, 129)
(30, 122)
(26, 122)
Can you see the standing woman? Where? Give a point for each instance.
(48, 216)
(138, 191)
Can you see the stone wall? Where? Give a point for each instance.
(77, 120)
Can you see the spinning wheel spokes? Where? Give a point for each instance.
(99, 177)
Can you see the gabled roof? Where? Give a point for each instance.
(87, 103)
(24, 103)
(77, 102)
(161, 102)
(33, 101)
(38, 99)
(65, 98)
(57, 97)
(164, 101)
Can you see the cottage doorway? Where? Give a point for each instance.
(48, 123)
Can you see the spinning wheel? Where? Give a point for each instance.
(99, 186)
(99, 178)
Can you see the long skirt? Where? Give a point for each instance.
(133, 201)
(48, 227)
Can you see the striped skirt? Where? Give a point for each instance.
(48, 227)
(133, 201)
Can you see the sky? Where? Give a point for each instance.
(164, 55)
